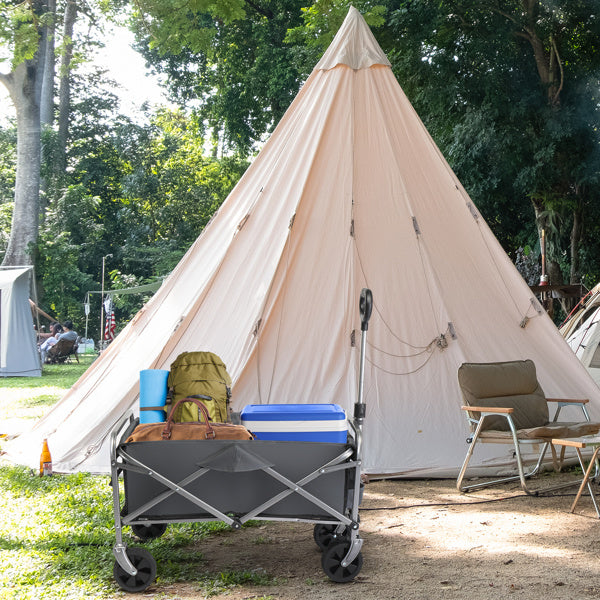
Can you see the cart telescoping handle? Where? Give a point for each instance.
(366, 308)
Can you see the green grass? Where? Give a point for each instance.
(62, 376)
(57, 533)
(55, 536)
(29, 398)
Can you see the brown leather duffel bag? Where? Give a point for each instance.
(154, 432)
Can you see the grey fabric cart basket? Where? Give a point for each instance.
(236, 481)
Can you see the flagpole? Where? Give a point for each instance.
(86, 309)
(101, 341)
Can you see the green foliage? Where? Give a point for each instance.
(242, 80)
(127, 305)
(19, 24)
(174, 188)
(138, 194)
(63, 283)
(173, 25)
(528, 264)
(470, 70)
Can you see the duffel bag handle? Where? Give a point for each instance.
(203, 411)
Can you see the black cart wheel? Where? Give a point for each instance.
(331, 561)
(149, 532)
(325, 535)
(145, 564)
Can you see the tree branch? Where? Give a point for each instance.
(261, 11)
(562, 72)
(524, 34)
(145, 23)
(504, 14)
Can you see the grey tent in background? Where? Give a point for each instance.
(18, 351)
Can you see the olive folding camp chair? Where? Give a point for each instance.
(505, 404)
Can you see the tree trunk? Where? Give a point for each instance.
(576, 235)
(545, 53)
(47, 98)
(23, 86)
(64, 94)
(47, 95)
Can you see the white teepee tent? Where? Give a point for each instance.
(349, 192)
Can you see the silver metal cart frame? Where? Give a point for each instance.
(234, 481)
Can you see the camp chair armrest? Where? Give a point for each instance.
(489, 409)
(568, 400)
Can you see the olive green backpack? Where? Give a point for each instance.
(204, 376)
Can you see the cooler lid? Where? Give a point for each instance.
(293, 412)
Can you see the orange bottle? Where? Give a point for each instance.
(45, 460)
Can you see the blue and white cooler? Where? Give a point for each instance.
(297, 422)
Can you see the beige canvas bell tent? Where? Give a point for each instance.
(349, 192)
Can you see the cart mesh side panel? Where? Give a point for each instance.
(234, 488)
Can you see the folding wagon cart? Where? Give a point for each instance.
(234, 481)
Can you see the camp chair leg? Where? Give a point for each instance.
(522, 476)
(471, 441)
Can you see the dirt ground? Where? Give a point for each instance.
(423, 540)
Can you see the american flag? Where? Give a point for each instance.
(109, 328)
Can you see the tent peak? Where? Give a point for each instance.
(354, 46)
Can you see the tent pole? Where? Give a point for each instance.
(33, 288)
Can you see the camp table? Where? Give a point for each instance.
(593, 441)
(234, 481)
